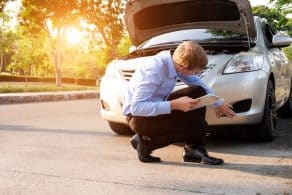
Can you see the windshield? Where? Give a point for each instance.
(198, 35)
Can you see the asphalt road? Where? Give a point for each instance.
(66, 148)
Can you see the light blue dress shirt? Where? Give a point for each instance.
(152, 83)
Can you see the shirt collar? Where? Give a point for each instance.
(170, 65)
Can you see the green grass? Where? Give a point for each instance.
(15, 87)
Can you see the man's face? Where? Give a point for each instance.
(186, 71)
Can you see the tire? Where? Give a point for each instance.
(286, 110)
(120, 128)
(265, 130)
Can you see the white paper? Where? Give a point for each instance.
(207, 100)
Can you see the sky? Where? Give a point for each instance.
(259, 2)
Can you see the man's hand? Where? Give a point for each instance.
(225, 109)
(184, 103)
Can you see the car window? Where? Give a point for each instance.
(199, 35)
(268, 34)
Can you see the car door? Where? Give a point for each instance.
(280, 66)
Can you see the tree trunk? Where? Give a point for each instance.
(58, 58)
(56, 51)
(113, 53)
(58, 67)
(1, 62)
(109, 45)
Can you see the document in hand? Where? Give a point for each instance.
(207, 100)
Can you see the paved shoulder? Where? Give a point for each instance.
(12, 98)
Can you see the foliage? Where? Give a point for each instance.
(101, 60)
(101, 54)
(276, 18)
(38, 14)
(7, 38)
(284, 5)
(79, 63)
(2, 4)
(288, 52)
(105, 15)
(32, 56)
(124, 46)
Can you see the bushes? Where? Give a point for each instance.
(87, 82)
(33, 79)
(68, 80)
(49, 80)
(288, 52)
(9, 78)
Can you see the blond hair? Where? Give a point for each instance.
(190, 55)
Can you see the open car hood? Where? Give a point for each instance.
(147, 18)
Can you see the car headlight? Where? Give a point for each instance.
(244, 62)
(112, 70)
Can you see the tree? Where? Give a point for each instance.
(2, 4)
(80, 62)
(7, 38)
(37, 15)
(32, 55)
(284, 5)
(106, 16)
(124, 46)
(276, 18)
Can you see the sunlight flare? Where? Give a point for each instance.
(73, 36)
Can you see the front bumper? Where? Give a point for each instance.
(233, 88)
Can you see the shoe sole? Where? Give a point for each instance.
(202, 161)
(199, 160)
(150, 161)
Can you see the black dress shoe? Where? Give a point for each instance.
(143, 150)
(134, 141)
(144, 154)
(200, 154)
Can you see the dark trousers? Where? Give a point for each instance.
(162, 130)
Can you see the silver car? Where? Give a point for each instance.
(246, 65)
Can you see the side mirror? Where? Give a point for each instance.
(280, 40)
(132, 48)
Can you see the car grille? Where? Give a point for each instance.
(127, 74)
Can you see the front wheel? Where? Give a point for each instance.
(120, 128)
(265, 130)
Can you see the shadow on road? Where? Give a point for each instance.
(20, 128)
(282, 171)
(234, 140)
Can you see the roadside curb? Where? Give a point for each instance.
(15, 98)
